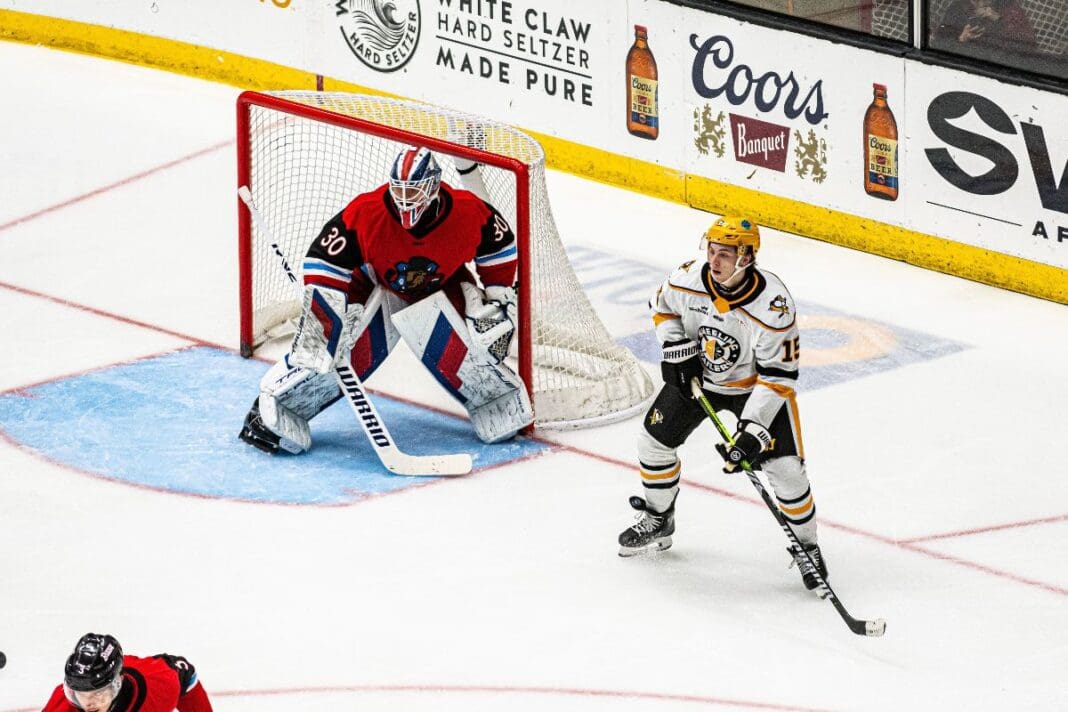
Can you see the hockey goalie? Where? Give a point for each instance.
(393, 264)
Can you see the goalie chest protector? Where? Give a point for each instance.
(416, 263)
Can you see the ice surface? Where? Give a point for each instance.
(933, 415)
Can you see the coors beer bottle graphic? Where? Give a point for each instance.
(880, 148)
(643, 114)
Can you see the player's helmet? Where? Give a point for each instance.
(737, 232)
(413, 183)
(94, 667)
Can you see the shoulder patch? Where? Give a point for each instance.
(780, 306)
(685, 266)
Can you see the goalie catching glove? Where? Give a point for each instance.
(470, 134)
(491, 315)
(749, 442)
(327, 329)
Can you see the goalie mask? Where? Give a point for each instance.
(93, 675)
(413, 184)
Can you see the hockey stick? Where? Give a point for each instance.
(392, 458)
(873, 628)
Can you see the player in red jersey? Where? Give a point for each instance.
(403, 248)
(99, 678)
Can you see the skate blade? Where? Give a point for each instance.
(651, 548)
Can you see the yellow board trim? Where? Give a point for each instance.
(934, 253)
(148, 51)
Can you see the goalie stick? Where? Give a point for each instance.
(392, 458)
(873, 628)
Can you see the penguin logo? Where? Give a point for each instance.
(779, 306)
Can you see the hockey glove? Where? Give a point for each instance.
(490, 317)
(750, 440)
(681, 364)
(504, 297)
(473, 135)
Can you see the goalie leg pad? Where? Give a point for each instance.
(294, 435)
(321, 330)
(290, 396)
(494, 396)
(375, 336)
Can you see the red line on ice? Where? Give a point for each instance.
(528, 690)
(118, 184)
(984, 530)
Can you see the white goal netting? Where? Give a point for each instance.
(304, 170)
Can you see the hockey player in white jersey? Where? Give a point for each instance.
(732, 325)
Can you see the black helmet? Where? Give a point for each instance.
(95, 664)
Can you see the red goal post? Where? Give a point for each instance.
(304, 155)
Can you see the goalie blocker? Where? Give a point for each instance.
(465, 354)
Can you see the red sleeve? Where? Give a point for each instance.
(58, 702)
(196, 700)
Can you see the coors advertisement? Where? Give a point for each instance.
(880, 147)
(759, 143)
(643, 94)
(768, 117)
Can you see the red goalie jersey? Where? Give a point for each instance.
(161, 683)
(366, 238)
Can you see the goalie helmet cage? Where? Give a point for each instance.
(304, 155)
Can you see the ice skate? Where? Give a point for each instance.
(652, 532)
(808, 573)
(255, 433)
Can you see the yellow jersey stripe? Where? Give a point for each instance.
(661, 475)
(784, 391)
(660, 317)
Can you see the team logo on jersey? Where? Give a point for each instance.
(779, 306)
(720, 351)
(417, 276)
(383, 34)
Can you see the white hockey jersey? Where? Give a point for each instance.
(748, 343)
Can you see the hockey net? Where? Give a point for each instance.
(305, 155)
